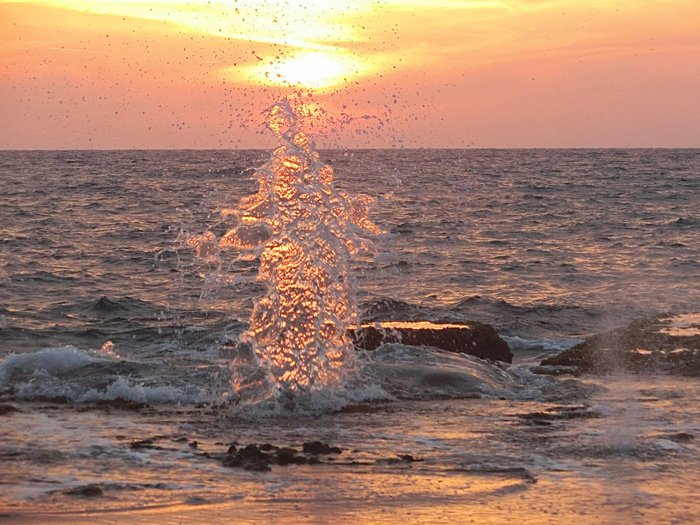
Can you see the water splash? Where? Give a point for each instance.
(304, 232)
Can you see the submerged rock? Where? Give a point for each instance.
(85, 491)
(402, 458)
(316, 447)
(669, 345)
(262, 457)
(7, 409)
(476, 339)
(559, 413)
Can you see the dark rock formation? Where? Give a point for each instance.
(681, 437)
(477, 339)
(562, 413)
(670, 345)
(7, 409)
(85, 491)
(262, 457)
(403, 458)
(316, 447)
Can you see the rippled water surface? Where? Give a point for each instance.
(567, 241)
(113, 332)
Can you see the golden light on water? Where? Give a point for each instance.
(414, 325)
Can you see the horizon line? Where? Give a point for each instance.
(422, 148)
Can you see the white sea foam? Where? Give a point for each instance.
(122, 388)
(52, 361)
(56, 373)
(395, 371)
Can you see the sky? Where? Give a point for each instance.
(84, 74)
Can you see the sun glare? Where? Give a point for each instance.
(312, 70)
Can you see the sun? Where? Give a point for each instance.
(309, 69)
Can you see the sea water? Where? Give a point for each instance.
(113, 331)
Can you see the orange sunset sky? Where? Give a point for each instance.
(374, 73)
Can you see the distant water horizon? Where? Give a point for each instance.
(468, 148)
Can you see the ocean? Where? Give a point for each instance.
(116, 341)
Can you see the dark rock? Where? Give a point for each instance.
(85, 491)
(7, 409)
(105, 304)
(194, 444)
(477, 339)
(252, 452)
(60, 400)
(669, 345)
(143, 443)
(403, 458)
(257, 466)
(121, 404)
(539, 422)
(289, 456)
(232, 460)
(681, 437)
(316, 448)
(407, 458)
(249, 458)
(515, 472)
(197, 500)
(560, 413)
(362, 408)
(261, 457)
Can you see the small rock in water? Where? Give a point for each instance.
(143, 443)
(121, 404)
(560, 413)
(261, 457)
(317, 448)
(289, 456)
(249, 458)
(85, 491)
(7, 409)
(402, 458)
(681, 437)
(668, 345)
(476, 339)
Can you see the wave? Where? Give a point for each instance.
(70, 375)
(393, 372)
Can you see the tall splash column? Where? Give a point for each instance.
(304, 232)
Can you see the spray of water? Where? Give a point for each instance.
(304, 232)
